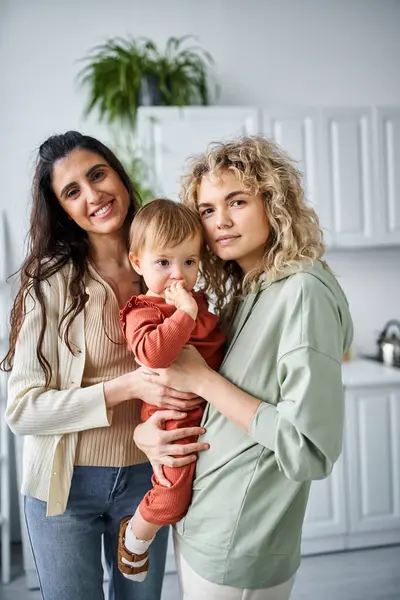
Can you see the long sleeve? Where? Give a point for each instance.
(155, 340)
(31, 408)
(305, 428)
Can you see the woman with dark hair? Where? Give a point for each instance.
(74, 386)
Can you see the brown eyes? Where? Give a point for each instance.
(98, 175)
(95, 177)
(71, 193)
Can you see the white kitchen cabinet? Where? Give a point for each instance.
(347, 176)
(168, 136)
(298, 131)
(358, 505)
(325, 523)
(373, 443)
(387, 161)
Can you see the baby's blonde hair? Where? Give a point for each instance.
(163, 223)
(262, 167)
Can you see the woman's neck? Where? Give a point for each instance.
(109, 249)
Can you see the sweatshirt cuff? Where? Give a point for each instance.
(264, 424)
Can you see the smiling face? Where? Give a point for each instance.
(160, 267)
(235, 223)
(91, 192)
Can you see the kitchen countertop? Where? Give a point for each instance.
(366, 373)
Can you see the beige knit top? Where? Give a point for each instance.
(107, 357)
(51, 418)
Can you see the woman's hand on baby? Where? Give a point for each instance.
(163, 396)
(178, 296)
(183, 374)
(135, 385)
(158, 443)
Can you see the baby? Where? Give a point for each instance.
(166, 242)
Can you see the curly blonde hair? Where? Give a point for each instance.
(262, 167)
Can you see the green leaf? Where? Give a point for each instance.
(113, 71)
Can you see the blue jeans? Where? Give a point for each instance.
(67, 547)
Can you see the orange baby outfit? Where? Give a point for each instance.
(156, 332)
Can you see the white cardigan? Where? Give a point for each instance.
(51, 419)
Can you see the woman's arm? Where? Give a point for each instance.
(33, 409)
(134, 386)
(304, 429)
(191, 371)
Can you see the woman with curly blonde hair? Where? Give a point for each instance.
(275, 415)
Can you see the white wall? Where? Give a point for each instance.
(310, 52)
(371, 280)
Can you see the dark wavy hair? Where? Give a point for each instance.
(55, 240)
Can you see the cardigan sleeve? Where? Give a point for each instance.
(33, 409)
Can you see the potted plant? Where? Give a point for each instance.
(184, 73)
(125, 74)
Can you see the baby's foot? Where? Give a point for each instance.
(133, 554)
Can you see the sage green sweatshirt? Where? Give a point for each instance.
(250, 492)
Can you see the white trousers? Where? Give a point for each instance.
(194, 587)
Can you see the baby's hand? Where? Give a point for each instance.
(181, 299)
